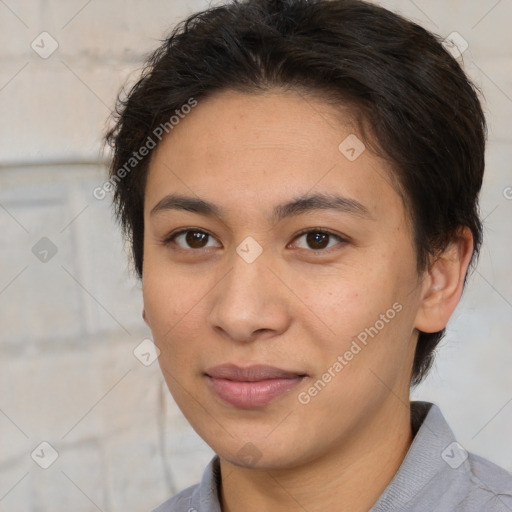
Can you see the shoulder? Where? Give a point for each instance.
(181, 502)
(465, 481)
(439, 474)
(490, 486)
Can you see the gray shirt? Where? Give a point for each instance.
(436, 475)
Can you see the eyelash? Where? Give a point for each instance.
(343, 240)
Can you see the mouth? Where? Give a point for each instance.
(252, 386)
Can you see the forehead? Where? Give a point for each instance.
(255, 150)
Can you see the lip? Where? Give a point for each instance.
(251, 386)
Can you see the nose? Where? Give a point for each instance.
(250, 302)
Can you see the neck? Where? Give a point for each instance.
(350, 478)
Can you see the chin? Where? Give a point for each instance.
(260, 456)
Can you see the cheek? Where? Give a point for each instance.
(175, 305)
(166, 290)
(349, 296)
(366, 302)
(165, 302)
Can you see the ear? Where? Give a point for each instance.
(145, 317)
(443, 284)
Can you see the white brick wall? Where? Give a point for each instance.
(69, 326)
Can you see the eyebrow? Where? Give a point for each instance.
(297, 206)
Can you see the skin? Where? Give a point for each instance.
(291, 308)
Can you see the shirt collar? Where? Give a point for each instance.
(423, 461)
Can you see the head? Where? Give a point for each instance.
(263, 113)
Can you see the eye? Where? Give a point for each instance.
(318, 239)
(194, 238)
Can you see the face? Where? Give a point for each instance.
(291, 328)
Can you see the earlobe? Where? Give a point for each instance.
(145, 317)
(444, 284)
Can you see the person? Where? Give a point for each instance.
(299, 184)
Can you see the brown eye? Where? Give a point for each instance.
(193, 239)
(196, 239)
(318, 240)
